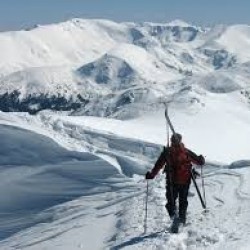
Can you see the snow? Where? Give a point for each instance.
(77, 182)
(236, 40)
(47, 59)
(223, 118)
(57, 45)
(179, 23)
(38, 80)
(145, 63)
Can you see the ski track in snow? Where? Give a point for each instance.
(224, 226)
(217, 226)
(222, 223)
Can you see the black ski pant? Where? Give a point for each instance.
(172, 193)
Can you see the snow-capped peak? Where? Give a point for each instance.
(178, 22)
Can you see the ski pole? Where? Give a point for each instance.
(146, 211)
(198, 191)
(203, 186)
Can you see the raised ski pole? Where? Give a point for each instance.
(146, 211)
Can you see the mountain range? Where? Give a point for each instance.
(104, 68)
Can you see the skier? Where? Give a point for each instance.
(178, 166)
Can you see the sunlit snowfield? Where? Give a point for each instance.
(78, 182)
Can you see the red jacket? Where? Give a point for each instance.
(178, 163)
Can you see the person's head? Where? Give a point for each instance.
(176, 139)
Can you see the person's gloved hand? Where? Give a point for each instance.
(201, 160)
(195, 173)
(149, 176)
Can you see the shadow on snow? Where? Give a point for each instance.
(137, 240)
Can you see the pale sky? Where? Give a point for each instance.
(19, 14)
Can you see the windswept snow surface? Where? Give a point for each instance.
(77, 183)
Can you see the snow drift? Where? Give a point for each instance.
(36, 174)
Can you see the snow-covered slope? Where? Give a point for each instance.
(69, 43)
(236, 40)
(37, 80)
(56, 175)
(87, 191)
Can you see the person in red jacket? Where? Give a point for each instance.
(177, 161)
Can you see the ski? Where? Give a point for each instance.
(169, 121)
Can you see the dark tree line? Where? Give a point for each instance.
(11, 102)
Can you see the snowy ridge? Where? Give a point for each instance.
(56, 44)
